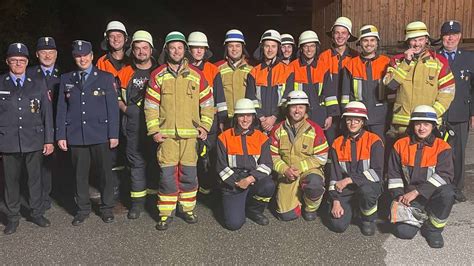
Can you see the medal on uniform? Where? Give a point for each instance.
(462, 74)
(96, 93)
(35, 106)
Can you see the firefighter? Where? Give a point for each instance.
(419, 76)
(461, 111)
(266, 81)
(48, 70)
(87, 125)
(133, 80)
(288, 48)
(114, 43)
(420, 173)
(244, 166)
(306, 74)
(299, 152)
(362, 79)
(335, 59)
(179, 109)
(27, 134)
(356, 172)
(234, 70)
(200, 53)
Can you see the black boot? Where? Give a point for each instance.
(190, 217)
(258, 218)
(164, 223)
(11, 227)
(367, 228)
(432, 236)
(310, 216)
(135, 210)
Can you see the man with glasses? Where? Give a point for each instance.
(26, 135)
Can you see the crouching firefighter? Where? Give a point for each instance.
(244, 165)
(356, 171)
(299, 152)
(420, 172)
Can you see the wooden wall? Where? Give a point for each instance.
(391, 16)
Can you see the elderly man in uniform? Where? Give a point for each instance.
(87, 126)
(26, 135)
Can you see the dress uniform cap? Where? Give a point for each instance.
(17, 49)
(307, 37)
(81, 48)
(451, 26)
(46, 43)
(287, 39)
(234, 36)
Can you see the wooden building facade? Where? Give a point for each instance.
(391, 17)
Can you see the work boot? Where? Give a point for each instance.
(310, 216)
(41, 221)
(11, 227)
(79, 219)
(258, 218)
(164, 223)
(367, 228)
(460, 197)
(434, 238)
(107, 217)
(190, 217)
(135, 211)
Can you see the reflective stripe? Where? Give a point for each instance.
(150, 191)
(193, 78)
(304, 166)
(167, 198)
(279, 164)
(226, 70)
(439, 107)
(406, 172)
(395, 183)
(400, 72)
(438, 223)
(258, 93)
(138, 194)
(365, 165)
(331, 100)
(357, 84)
(431, 64)
(322, 157)
(310, 134)
(369, 211)
(226, 173)
(436, 180)
(264, 169)
(207, 103)
(401, 119)
(221, 107)
(274, 149)
(343, 166)
(321, 147)
(332, 185)
(371, 175)
(205, 92)
(206, 120)
(188, 195)
(166, 207)
(232, 160)
(152, 123)
(264, 199)
(446, 79)
(312, 205)
(153, 94)
(345, 99)
(448, 89)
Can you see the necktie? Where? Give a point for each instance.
(450, 57)
(18, 82)
(83, 79)
(48, 73)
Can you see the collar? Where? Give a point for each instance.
(428, 141)
(273, 63)
(447, 52)
(50, 69)
(303, 61)
(88, 71)
(239, 131)
(365, 60)
(14, 77)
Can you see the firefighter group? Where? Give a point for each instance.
(302, 128)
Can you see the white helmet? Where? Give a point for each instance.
(271, 35)
(141, 35)
(197, 38)
(307, 37)
(244, 106)
(346, 23)
(234, 36)
(368, 31)
(355, 109)
(115, 26)
(416, 29)
(424, 113)
(287, 39)
(297, 97)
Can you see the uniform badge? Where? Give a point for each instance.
(96, 93)
(462, 74)
(35, 105)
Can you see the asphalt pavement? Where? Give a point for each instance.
(207, 242)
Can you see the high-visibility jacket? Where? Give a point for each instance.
(234, 81)
(108, 64)
(304, 147)
(242, 154)
(265, 87)
(335, 62)
(362, 81)
(360, 158)
(312, 79)
(177, 103)
(127, 92)
(427, 80)
(424, 166)
(213, 78)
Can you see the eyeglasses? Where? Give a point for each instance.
(17, 61)
(309, 46)
(354, 121)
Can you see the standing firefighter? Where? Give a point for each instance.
(420, 76)
(362, 79)
(244, 166)
(200, 52)
(133, 81)
(234, 70)
(356, 172)
(461, 111)
(179, 109)
(299, 152)
(420, 172)
(288, 48)
(115, 39)
(266, 82)
(306, 74)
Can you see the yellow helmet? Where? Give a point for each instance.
(416, 29)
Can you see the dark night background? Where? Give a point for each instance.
(27, 20)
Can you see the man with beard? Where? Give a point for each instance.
(362, 80)
(419, 76)
(233, 70)
(133, 80)
(266, 81)
(288, 48)
(306, 74)
(299, 152)
(179, 109)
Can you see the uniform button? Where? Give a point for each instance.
(82, 93)
(83, 122)
(20, 127)
(19, 99)
(83, 102)
(20, 118)
(19, 108)
(83, 113)
(106, 121)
